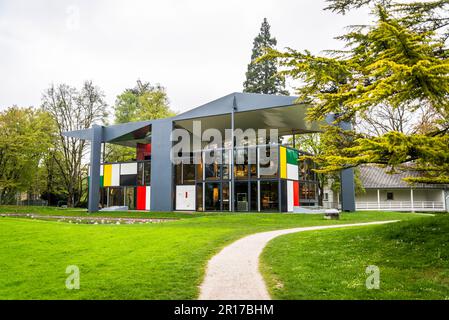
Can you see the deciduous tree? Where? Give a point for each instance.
(26, 135)
(143, 102)
(73, 109)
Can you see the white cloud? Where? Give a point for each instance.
(197, 49)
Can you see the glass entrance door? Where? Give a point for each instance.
(212, 196)
(241, 196)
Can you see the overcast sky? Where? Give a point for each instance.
(197, 49)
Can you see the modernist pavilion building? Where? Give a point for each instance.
(153, 182)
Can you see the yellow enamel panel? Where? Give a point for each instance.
(107, 175)
(283, 160)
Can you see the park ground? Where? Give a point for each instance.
(167, 260)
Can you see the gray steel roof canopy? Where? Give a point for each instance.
(257, 111)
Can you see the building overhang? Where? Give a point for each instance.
(252, 111)
(290, 119)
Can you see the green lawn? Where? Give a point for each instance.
(140, 261)
(412, 256)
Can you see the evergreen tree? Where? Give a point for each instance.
(262, 76)
(392, 64)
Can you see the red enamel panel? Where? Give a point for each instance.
(141, 195)
(295, 193)
(143, 150)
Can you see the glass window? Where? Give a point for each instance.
(226, 163)
(225, 196)
(140, 174)
(178, 174)
(252, 161)
(199, 197)
(253, 196)
(312, 191)
(307, 191)
(147, 172)
(268, 161)
(188, 173)
(199, 167)
(241, 163)
(269, 196)
(104, 197)
(184, 173)
(115, 197)
(305, 170)
(212, 170)
(212, 196)
(128, 180)
(130, 198)
(241, 196)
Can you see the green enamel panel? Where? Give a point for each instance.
(101, 181)
(292, 156)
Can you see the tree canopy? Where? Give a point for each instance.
(73, 109)
(26, 135)
(396, 64)
(143, 102)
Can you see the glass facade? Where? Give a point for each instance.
(115, 197)
(269, 195)
(225, 196)
(126, 178)
(268, 178)
(264, 180)
(212, 198)
(241, 196)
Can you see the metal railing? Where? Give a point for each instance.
(401, 205)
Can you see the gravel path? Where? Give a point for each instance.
(233, 273)
(87, 219)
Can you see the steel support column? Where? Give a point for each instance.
(347, 187)
(161, 166)
(232, 193)
(95, 158)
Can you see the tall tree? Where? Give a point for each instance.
(262, 76)
(392, 64)
(143, 102)
(25, 136)
(73, 109)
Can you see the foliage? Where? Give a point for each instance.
(143, 102)
(429, 155)
(319, 145)
(421, 16)
(73, 109)
(313, 144)
(391, 65)
(25, 137)
(262, 76)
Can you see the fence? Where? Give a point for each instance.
(401, 205)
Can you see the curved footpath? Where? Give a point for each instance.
(233, 273)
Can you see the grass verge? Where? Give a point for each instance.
(412, 256)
